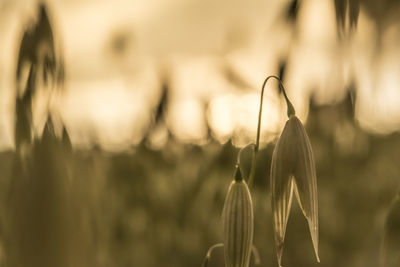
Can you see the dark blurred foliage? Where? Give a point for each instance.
(37, 56)
(162, 208)
(38, 209)
(292, 10)
(39, 34)
(382, 12)
(391, 242)
(23, 113)
(37, 48)
(160, 112)
(347, 10)
(282, 70)
(38, 206)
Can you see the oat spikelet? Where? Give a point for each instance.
(293, 169)
(238, 219)
(238, 225)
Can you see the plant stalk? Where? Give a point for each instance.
(290, 112)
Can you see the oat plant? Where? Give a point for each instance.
(238, 224)
(292, 170)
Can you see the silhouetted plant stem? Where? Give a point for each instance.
(290, 112)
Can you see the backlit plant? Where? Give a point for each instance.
(292, 171)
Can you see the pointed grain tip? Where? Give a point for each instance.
(314, 238)
(316, 254)
(279, 255)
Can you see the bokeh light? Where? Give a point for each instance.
(149, 102)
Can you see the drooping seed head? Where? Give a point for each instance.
(293, 169)
(238, 220)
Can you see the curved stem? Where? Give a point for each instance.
(290, 112)
(208, 255)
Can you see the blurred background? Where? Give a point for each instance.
(120, 122)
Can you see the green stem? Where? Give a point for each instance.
(290, 112)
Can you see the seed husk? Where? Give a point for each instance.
(293, 169)
(238, 223)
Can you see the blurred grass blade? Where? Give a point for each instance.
(341, 10)
(23, 118)
(38, 66)
(33, 41)
(354, 11)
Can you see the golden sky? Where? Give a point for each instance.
(111, 92)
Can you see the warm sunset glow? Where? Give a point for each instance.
(180, 132)
(318, 65)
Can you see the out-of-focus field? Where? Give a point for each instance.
(156, 102)
(163, 207)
